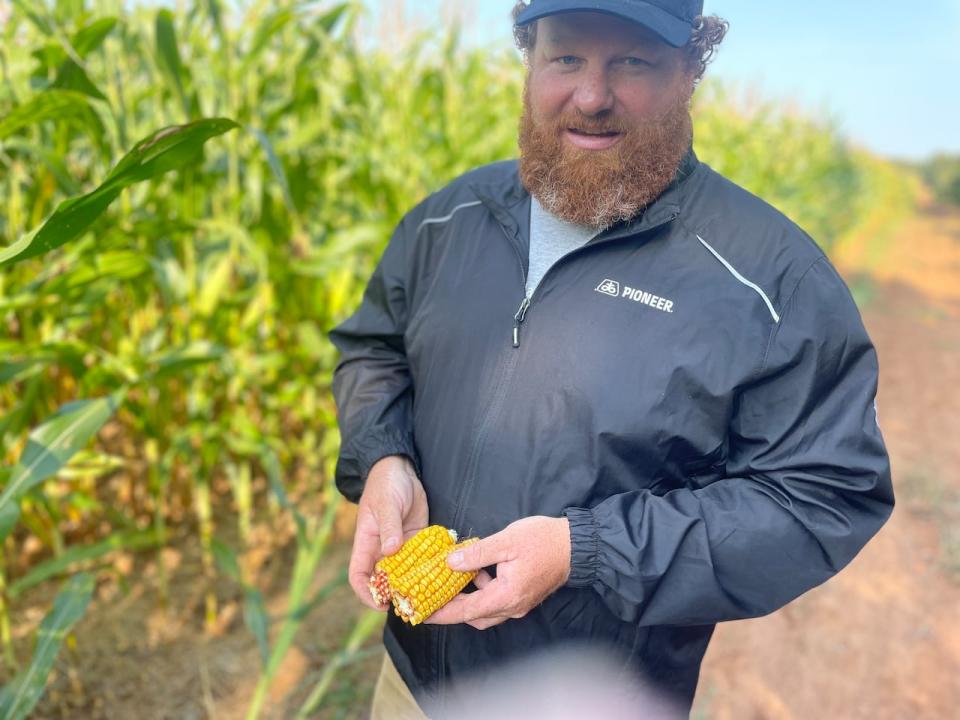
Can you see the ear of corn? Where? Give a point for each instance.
(429, 586)
(424, 545)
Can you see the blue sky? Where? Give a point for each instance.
(888, 71)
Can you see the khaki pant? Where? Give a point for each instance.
(392, 699)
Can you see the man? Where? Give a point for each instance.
(647, 391)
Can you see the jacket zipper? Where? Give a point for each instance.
(518, 319)
(503, 373)
(521, 313)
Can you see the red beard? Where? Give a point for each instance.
(599, 188)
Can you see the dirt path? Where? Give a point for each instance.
(882, 639)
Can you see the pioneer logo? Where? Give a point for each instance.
(613, 289)
(609, 287)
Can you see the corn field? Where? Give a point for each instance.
(191, 199)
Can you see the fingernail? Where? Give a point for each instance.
(390, 545)
(455, 559)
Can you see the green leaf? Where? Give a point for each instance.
(55, 441)
(312, 341)
(51, 159)
(215, 284)
(276, 167)
(91, 36)
(48, 56)
(216, 14)
(51, 105)
(71, 76)
(20, 696)
(329, 19)
(90, 464)
(226, 559)
(196, 353)
(271, 466)
(42, 23)
(135, 541)
(165, 150)
(256, 620)
(13, 370)
(9, 515)
(113, 264)
(168, 55)
(274, 23)
(367, 624)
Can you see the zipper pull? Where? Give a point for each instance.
(518, 318)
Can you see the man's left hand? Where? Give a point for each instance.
(532, 556)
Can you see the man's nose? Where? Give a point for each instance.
(593, 94)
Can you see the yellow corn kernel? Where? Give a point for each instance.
(429, 586)
(422, 546)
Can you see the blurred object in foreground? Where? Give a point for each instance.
(573, 682)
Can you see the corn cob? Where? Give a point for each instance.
(429, 586)
(425, 544)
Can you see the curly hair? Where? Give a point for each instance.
(708, 33)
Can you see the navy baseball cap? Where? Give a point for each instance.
(670, 19)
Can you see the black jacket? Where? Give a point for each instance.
(694, 390)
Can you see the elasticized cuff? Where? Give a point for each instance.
(358, 457)
(380, 443)
(584, 547)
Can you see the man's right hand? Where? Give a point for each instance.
(393, 507)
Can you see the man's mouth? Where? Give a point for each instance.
(593, 139)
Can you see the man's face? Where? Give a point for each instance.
(606, 117)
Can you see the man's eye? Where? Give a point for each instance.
(636, 62)
(567, 60)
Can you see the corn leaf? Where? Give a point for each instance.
(170, 362)
(135, 540)
(20, 696)
(370, 622)
(276, 167)
(40, 20)
(9, 515)
(53, 104)
(168, 55)
(274, 23)
(216, 14)
(330, 18)
(164, 150)
(91, 36)
(55, 441)
(13, 370)
(215, 285)
(53, 162)
(271, 466)
(254, 609)
(226, 560)
(70, 75)
(256, 620)
(73, 77)
(89, 464)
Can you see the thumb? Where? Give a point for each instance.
(482, 553)
(391, 528)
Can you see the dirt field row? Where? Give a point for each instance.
(882, 639)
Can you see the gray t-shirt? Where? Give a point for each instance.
(550, 239)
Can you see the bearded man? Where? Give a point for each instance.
(646, 390)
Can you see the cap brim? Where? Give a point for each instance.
(674, 31)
